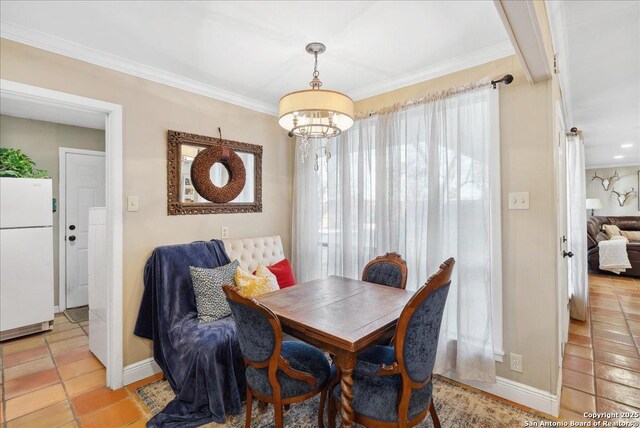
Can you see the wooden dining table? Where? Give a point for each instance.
(341, 316)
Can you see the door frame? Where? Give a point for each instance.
(62, 213)
(114, 202)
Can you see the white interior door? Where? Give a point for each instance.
(84, 188)
(563, 231)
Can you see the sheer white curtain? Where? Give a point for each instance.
(577, 225)
(415, 181)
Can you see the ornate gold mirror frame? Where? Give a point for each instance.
(176, 203)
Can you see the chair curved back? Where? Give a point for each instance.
(259, 330)
(418, 329)
(389, 270)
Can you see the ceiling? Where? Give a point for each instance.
(252, 53)
(55, 113)
(601, 66)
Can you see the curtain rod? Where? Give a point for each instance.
(506, 79)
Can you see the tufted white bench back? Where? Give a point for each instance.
(251, 251)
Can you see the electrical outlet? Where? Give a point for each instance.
(516, 362)
(224, 232)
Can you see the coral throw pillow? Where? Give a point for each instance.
(251, 285)
(284, 273)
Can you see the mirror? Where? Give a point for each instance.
(183, 198)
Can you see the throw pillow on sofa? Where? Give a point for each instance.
(252, 285)
(284, 273)
(207, 285)
(263, 272)
(611, 230)
(631, 235)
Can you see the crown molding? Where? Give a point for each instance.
(77, 51)
(613, 165)
(461, 62)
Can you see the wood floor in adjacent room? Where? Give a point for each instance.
(601, 369)
(52, 380)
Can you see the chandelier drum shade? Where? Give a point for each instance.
(315, 113)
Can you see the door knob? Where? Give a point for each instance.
(72, 227)
(72, 238)
(565, 254)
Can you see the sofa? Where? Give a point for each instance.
(595, 234)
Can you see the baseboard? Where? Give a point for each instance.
(140, 370)
(56, 309)
(520, 393)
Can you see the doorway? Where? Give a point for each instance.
(82, 186)
(45, 101)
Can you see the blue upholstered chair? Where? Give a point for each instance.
(388, 270)
(392, 385)
(278, 372)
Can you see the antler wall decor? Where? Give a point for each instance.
(622, 197)
(606, 182)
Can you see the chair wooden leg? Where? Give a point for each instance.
(323, 397)
(434, 415)
(247, 423)
(333, 410)
(277, 407)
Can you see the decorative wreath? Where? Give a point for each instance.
(201, 178)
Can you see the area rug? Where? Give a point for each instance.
(456, 407)
(78, 314)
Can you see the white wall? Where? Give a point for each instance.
(610, 206)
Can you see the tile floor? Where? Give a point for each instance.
(52, 380)
(601, 368)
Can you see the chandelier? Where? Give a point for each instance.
(315, 114)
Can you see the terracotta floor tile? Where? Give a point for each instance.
(57, 328)
(580, 340)
(79, 367)
(98, 398)
(577, 401)
(624, 339)
(616, 348)
(617, 360)
(607, 313)
(51, 417)
(605, 304)
(17, 345)
(612, 328)
(607, 406)
(119, 414)
(580, 381)
(579, 330)
(633, 317)
(33, 401)
(60, 319)
(67, 344)
(619, 393)
(30, 382)
(140, 423)
(618, 375)
(578, 364)
(608, 320)
(72, 355)
(56, 337)
(71, 424)
(25, 356)
(86, 382)
(568, 415)
(578, 351)
(30, 367)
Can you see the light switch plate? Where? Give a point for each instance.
(518, 200)
(133, 203)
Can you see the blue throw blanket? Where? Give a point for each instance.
(202, 362)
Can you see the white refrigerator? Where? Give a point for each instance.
(26, 256)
